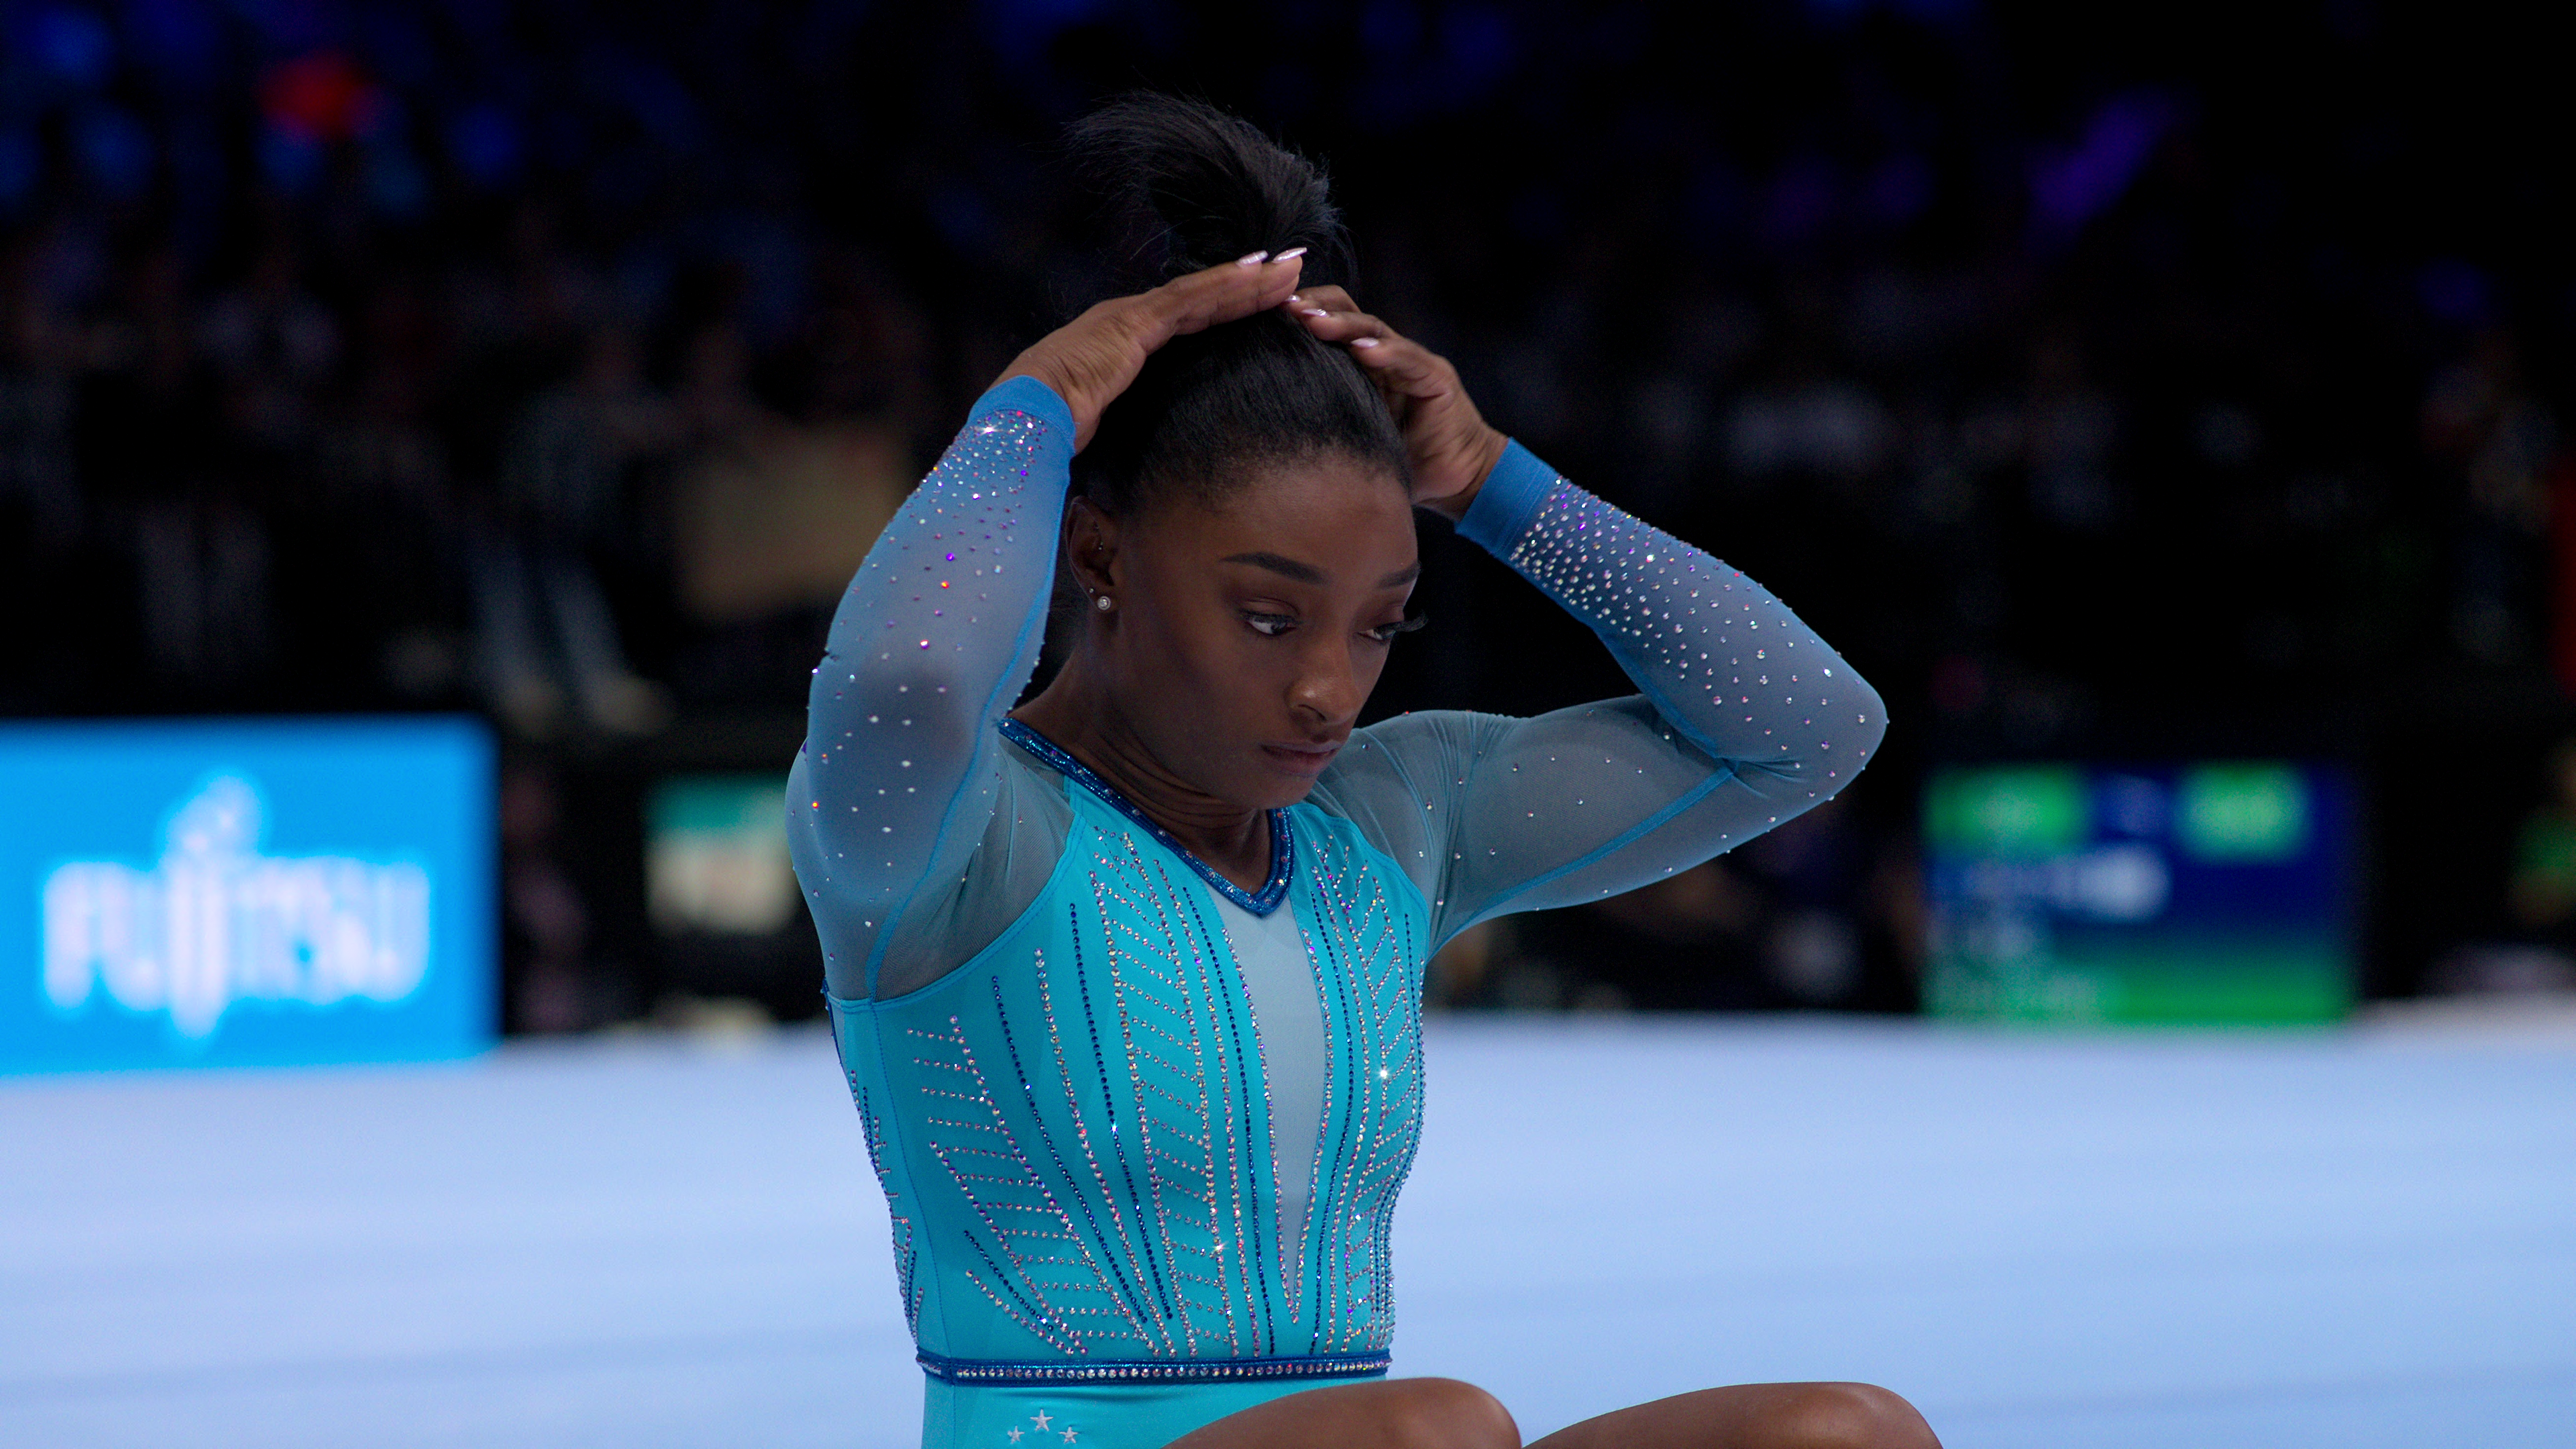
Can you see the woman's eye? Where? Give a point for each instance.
(1385, 633)
(1270, 625)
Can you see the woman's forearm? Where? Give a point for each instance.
(1727, 665)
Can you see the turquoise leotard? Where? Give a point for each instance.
(1141, 1130)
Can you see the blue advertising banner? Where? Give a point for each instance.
(223, 893)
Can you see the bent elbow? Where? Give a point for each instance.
(1856, 744)
(1842, 737)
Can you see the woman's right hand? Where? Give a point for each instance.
(1090, 360)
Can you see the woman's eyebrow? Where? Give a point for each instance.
(1304, 573)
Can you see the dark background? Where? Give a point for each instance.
(2150, 382)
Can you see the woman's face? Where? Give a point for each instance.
(1246, 636)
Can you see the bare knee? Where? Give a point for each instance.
(1846, 1416)
(1447, 1414)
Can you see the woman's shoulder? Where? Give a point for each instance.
(1333, 844)
(1023, 842)
(1388, 788)
(1392, 751)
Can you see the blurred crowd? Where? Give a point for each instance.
(2168, 382)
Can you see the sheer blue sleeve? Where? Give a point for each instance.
(1745, 718)
(897, 785)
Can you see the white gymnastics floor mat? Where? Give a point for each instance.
(2250, 1241)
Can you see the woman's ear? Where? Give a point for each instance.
(1091, 548)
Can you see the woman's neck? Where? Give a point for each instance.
(1086, 722)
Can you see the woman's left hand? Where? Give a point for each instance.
(1446, 440)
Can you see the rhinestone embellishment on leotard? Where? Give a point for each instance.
(1677, 609)
(873, 1134)
(1103, 1128)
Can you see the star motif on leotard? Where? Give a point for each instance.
(1068, 1436)
(1015, 1436)
(1041, 1419)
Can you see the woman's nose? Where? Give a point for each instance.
(1327, 687)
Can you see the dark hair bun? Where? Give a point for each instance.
(1208, 406)
(1211, 186)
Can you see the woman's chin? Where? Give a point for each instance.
(1273, 783)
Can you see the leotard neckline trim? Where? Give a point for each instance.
(1283, 840)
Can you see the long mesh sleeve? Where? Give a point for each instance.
(1746, 718)
(898, 783)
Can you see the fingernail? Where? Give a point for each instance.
(1290, 255)
(1252, 260)
(1364, 342)
(1317, 312)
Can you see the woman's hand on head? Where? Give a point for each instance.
(1090, 360)
(1446, 440)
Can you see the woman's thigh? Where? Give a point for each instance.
(1757, 1416)
(1447, 1414)
(1390, 1414)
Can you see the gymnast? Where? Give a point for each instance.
(1127, 979)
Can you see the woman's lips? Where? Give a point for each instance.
(1302, 759)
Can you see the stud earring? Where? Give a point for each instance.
(1102, 603)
